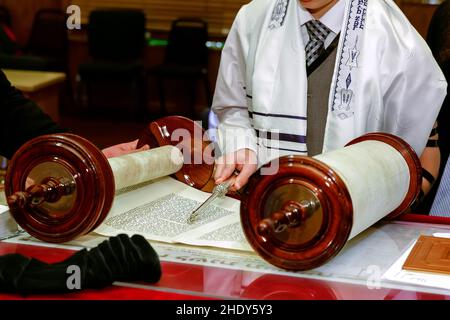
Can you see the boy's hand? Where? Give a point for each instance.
(244, 161)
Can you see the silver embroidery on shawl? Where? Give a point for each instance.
(278, 14)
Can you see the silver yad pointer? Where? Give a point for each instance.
(218, 192)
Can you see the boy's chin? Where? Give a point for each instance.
(314, 4)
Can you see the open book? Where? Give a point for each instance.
(159, 210)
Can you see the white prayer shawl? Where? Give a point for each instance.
(385, 79)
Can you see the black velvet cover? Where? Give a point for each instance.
(119, 258)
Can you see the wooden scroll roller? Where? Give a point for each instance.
(61, 186)
(302, 216)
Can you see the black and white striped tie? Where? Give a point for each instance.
(318, 32)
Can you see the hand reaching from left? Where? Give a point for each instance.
(123, 148)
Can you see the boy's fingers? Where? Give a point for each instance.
(227, 171)
(244, 175)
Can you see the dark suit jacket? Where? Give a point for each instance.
(21, 119)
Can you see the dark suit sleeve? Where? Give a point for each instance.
(21, 119)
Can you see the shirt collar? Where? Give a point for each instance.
(333, 19)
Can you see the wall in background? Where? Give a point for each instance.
(160, 13)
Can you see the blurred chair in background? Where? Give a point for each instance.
(49, 38)
(116, 39)
(5, 16)
(186, 58)
(47, 45)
